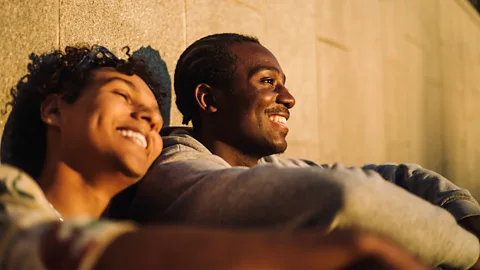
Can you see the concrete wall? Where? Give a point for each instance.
(375, 80)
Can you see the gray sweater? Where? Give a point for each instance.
(189, 185)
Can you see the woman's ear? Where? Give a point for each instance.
(205, 98)
(50, 110)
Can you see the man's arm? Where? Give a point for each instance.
(424, 183)
(201, 191)
(432, 187)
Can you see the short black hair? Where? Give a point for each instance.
(208, 60)
(65, 73)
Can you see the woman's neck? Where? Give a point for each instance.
(73, 195)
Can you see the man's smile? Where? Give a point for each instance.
(279, 115)
(278, 119)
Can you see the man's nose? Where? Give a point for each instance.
(286, 98)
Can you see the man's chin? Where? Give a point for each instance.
(279, 147)
(280, 151)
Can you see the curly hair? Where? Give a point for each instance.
(208, 60)
(65, 73)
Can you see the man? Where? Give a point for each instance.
(222, 173)
(85, 125)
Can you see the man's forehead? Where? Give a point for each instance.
(252, 56)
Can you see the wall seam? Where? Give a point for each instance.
(185, 23)
(445, 169)
(58, 23)
(385, 96)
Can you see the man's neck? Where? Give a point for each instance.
(73, 195)
(230, 154)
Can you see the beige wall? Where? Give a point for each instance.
(375, 80)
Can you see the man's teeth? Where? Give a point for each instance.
(278, 119)
(137, 137)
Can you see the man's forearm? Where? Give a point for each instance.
(267, 196)
(431, 187)
(423, 225)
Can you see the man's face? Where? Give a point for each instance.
(112, 127)
(256, 109)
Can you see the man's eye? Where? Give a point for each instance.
(268, 80)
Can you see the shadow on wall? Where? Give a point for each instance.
(159, 70)
(476, 4)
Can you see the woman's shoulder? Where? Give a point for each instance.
(22, 199)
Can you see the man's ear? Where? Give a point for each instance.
(205, 98)
(50, 110)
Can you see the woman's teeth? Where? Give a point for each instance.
(136, 136)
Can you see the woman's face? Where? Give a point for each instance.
(113, 126)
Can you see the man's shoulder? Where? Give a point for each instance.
(287, 162)
(179, 140)
(181, 146)
(174, 136)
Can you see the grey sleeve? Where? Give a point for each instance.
(206, 193)
(430, 186)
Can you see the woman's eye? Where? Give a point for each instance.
(122, 95)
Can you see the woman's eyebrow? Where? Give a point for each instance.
(113, 79)
(155, 108)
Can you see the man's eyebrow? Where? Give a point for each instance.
(260, 68)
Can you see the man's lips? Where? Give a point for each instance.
(279, 115)
(279, 111)
(278, 119)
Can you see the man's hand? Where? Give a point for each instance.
(472, 224)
